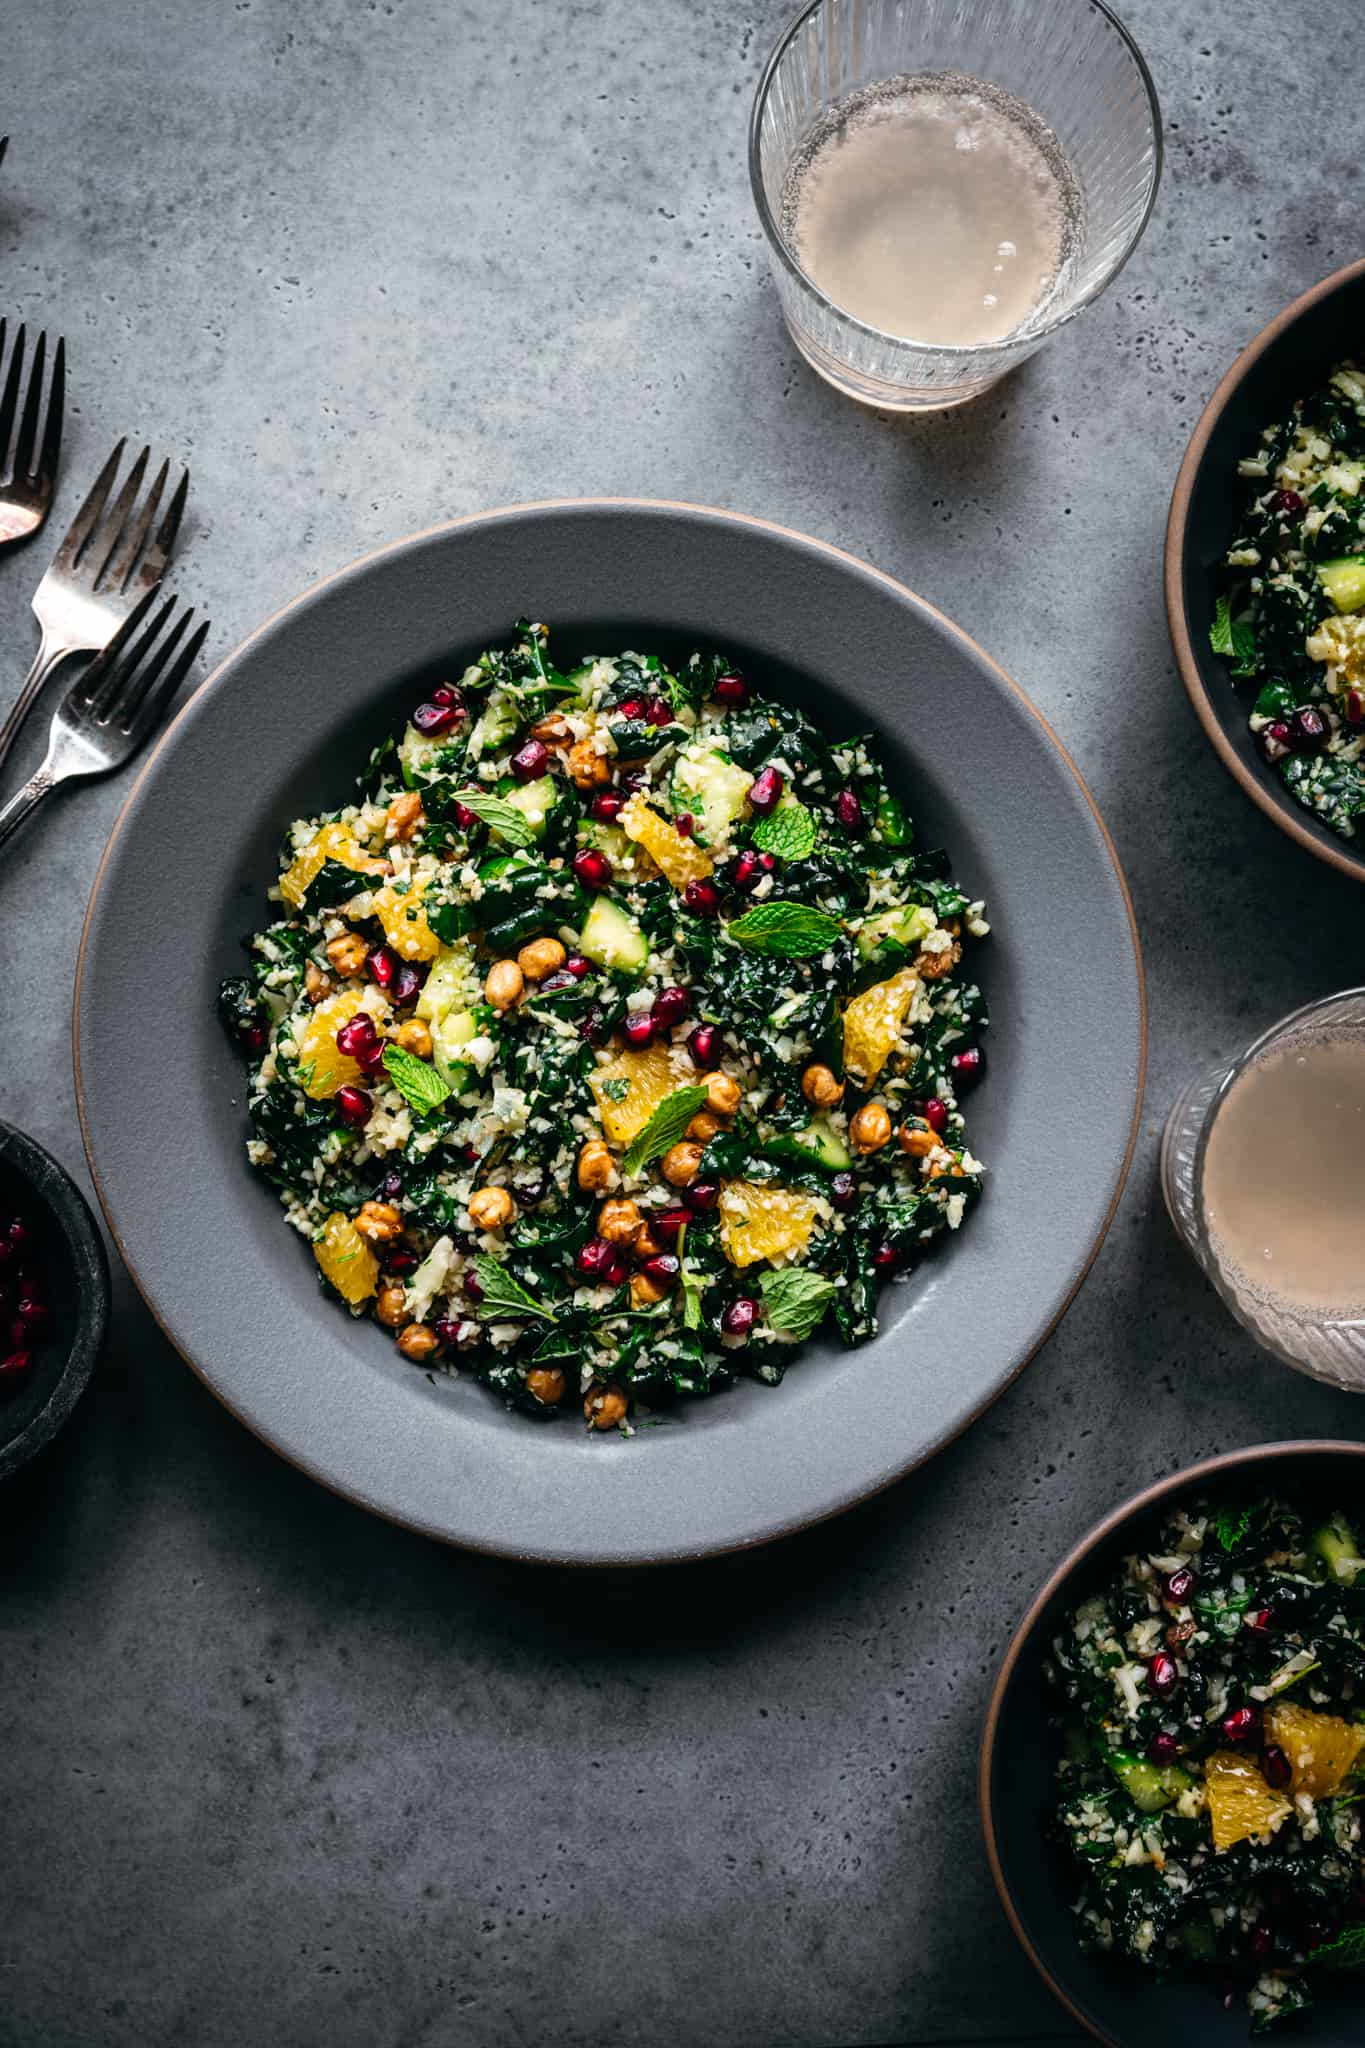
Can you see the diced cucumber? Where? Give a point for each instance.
(895, 931)
(417, 753)
(535, 801)
(712, 788)
(1344, 582)
(448, 986)
(1335, 1543)
(818, 1144)
(496, 722)
(608, 839)
(1150, 1786)
(612, 939)
(448, 1040)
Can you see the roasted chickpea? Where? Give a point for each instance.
(418, 1341)
(870, 1129)
(491, 1208)
(404, 816)
(347, 953)
(546, 1383)
(953, 1167)
(414, 1037)
(918, 1140)
(604, 1407)
(379, 1222)
(618, 1222)
(587, 768)
(541, 957)
(722, 1094)
(644, 1292)
(504, 984)
(316, 984)
(703, 1127)
(391, 1305)
(553, 730)
(682, 1164)
(646, 1245)
(596, 1167)
(820, 1087)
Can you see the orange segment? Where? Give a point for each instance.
(1322, 1748)
(640, 1080)
(1241, 1804)
(323, 1068)
(760, 1221)
(681, 860)
(872, 1024)
(345, 1260)
(405, 923)
(334, 842)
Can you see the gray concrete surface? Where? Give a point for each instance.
(270, 1769)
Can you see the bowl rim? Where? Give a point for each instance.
(1136, 1505)
(55, 1188)
(653, 506)
(1261, 791)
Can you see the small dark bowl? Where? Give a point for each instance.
(1286, 359)
(71, 1252)
(1121, 2004)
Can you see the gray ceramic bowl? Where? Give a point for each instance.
(1122, 2006)
(280, 731)
(71, 1254)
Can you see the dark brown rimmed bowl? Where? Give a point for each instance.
(1287, 358)
(1118, 2003)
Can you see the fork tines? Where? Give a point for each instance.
(129, 686)
(32, 458)
(109, 542)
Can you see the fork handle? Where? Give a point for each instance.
(51, 652)
(25, 800)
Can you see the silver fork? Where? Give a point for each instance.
(28, 479)
(100, 573)
(115, 703)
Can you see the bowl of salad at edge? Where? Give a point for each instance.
(1174, 1762)
(1265, 570)
(678, 1189)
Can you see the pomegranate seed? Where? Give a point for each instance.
(1163, 1749)
(1276, 1768)
(391, 1187)
(615, 1275)
(400, 1259)
(577, 965)
(659, 711)
(670, 1007)
(663, 1268)
(730, 688)
(383, 965)
(1259, 1622)
(465, 818)
(704, 1045)
(592, 868)
(1162, 1675)
(1180, 1585)
(353, 1106)
(638, 1029)
(371, 1056)
(684, 824)
(967, 1066)
(849, 811)
(254, 1037)
(1241, 1724)
(1308, 729)
(765, 789)
(634, 707)
(740, 1317)
(1262, 1939)
(701, 898)
(447, 1330)
(13, 1367)
(446, 693)
(1276, 739)
(843, 1192)
(631, 779)
(745, 872)
(1287, 503)
(885, 1257)
(406, 985)
(473, 1287)
(1355, 707)
(355, 1034)
(702, 1195)
(607, 806)
(935, 1114)
(529, 762)
(6, 1252)
(559, 979)
(594, 1258)
(17, 1234)
(666, 1223)
(594, 1027)
(434, 719)
(30, 1314)
(529, 1193)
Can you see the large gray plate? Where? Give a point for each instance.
(280, 729)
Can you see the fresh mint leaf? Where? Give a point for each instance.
(1231, 1528)
(795, 1299)
(504, 1295)
(664, 1128)
(785, 931)
(1346, 1952)
(419, 1084)
(1220, 632)
(1246, 660)
(500, 816)
(790, 833)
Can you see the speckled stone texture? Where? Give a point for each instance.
(271, 1769)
